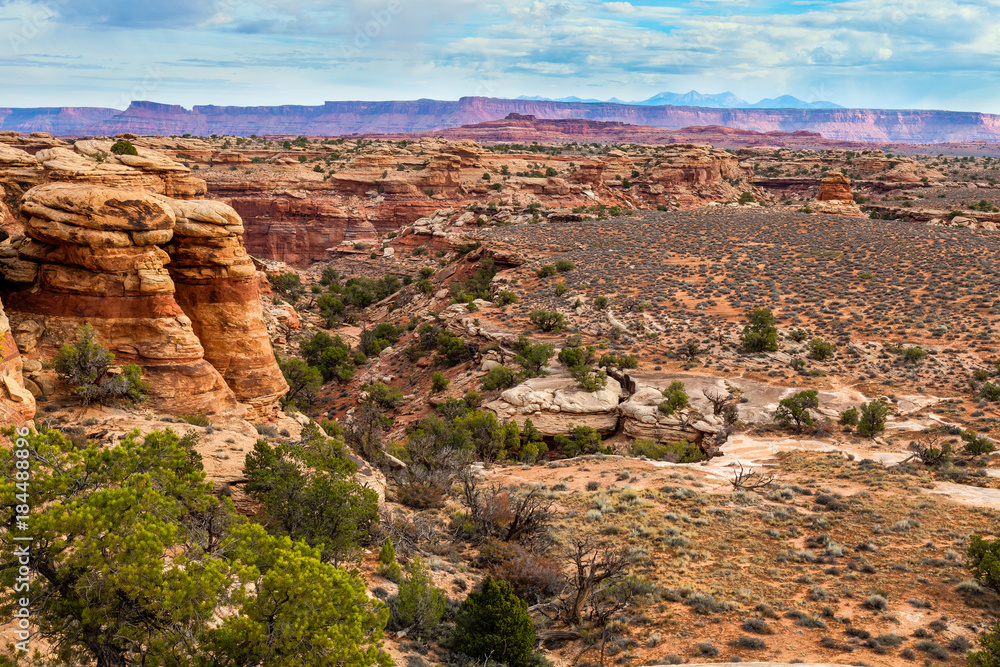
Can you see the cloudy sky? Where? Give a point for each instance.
(941, 54)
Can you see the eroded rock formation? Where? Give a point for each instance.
(216, 286)
(835, 198)
(92, 161)
(91, 255)
(17, 405)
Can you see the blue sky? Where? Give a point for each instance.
(940, 54)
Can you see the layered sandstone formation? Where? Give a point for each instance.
(92, 161)
(90, 255)
(17, 405)
(835, 187)
(688, 173)
(19, 170)
(835, 198)
(216, 286)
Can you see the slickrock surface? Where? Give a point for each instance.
(216, 286)
(555, 403)
(91, 161)
(17, 405)
(90, 255)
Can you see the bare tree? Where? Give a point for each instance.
(594, 566)
(717, 399)
(748, 480)
(503, 512)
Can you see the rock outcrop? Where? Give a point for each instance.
(555, 403)
(216, 286)
(835, 187)
(835, 198)
(92, 161)
(91, 255)
(17, 405)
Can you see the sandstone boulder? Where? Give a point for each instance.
(555, 403)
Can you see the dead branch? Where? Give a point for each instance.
(749, 480)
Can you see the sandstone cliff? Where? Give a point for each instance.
(339, 118)
(216, 286)
(93, 254)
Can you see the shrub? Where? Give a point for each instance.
(498, 377)
(705, 650)
(386, 396)
(990, 392)
(532, 358)
(601, 302)
(564, 265)
(439, 382)
(288, 478)
(975, 444)
(123, 147)
(625, 361)
(820, 350)
(675, 398)
(849, 417)
(752, 643)
(87, 367)
(581, 440)
(388, 567)
(760, 334)
(914, 355)
(875, 603)
(504, 298)
(872, 419)
(675, 452)
(798, 335)
(933, 649)
(533, 578)
(984, 561)
(546, 271)
(989, 654)
(758, 626)
(547, 320)
(793, 412)
(561, 289)
(419, 604)
(493, 623)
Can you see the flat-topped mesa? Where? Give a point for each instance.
(90, 255)
(17, 405)
(216, 286)
(91, 161)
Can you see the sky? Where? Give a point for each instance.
(933, 54)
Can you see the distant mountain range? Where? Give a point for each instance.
(693, 98)
(915, 126)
